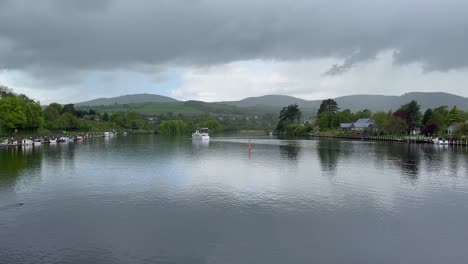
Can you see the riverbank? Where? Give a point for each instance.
(36, 140)
(400, 139)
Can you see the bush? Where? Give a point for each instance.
(175, 128)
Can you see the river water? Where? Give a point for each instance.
(149, 199)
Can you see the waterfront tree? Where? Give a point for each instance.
(328, 106)
(12, 113)
(289, 115)
(175, 128)
(213, 125)
(410, 113)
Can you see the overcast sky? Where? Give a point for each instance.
(69, 51)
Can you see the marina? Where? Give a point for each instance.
(33, 141)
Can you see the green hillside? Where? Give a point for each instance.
(146, 108)
(191, 108)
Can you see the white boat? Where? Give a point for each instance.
(53, 141)
(65, 139)
(202, 134)
(440, 141)
(37, 142)
(27, 142)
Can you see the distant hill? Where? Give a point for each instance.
(128, 99)
(431, 100)
(360, 102)
(150, 103)
(268, 100)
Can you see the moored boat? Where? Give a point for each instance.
(440, 141)
(27, 142)
(202, 134)
(65, 139)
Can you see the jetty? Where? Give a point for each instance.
(18, 141)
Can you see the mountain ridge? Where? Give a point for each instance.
(353, 102)
(127, 99)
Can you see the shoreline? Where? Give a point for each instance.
(407, 139)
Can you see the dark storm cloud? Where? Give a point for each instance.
(118, 34)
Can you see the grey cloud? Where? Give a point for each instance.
(350, 61)
(92, 35)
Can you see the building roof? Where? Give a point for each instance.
(365, 120)
(362, 125)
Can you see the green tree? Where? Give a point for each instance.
(175, 128)
(454, 115)
(105, 116)
(289, 115)
(345, 116)
(366, 113)
(34, 115)
(213, 124)
(52, 112)
(410, 113)
(5, 91)
(328, 106)
(394, 126)
(427, 116)
(326, 115)
(69, 108)
(12, 113)
(381, 119)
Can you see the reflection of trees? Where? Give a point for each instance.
(14, 161)
(290, 151)
(329, 153)
(407, 157)
(454, 154)
(433, 158)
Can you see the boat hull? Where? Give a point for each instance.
(199, 137)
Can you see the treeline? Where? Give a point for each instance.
(408, 119)
(22, 114)
(181, 127)
(19, 111)
(58, 117)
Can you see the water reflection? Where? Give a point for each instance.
(290, 151)
(407, 158)
(329, 153)
(14, 161)
(162, 200)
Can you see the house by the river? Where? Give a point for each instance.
(360, 125)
